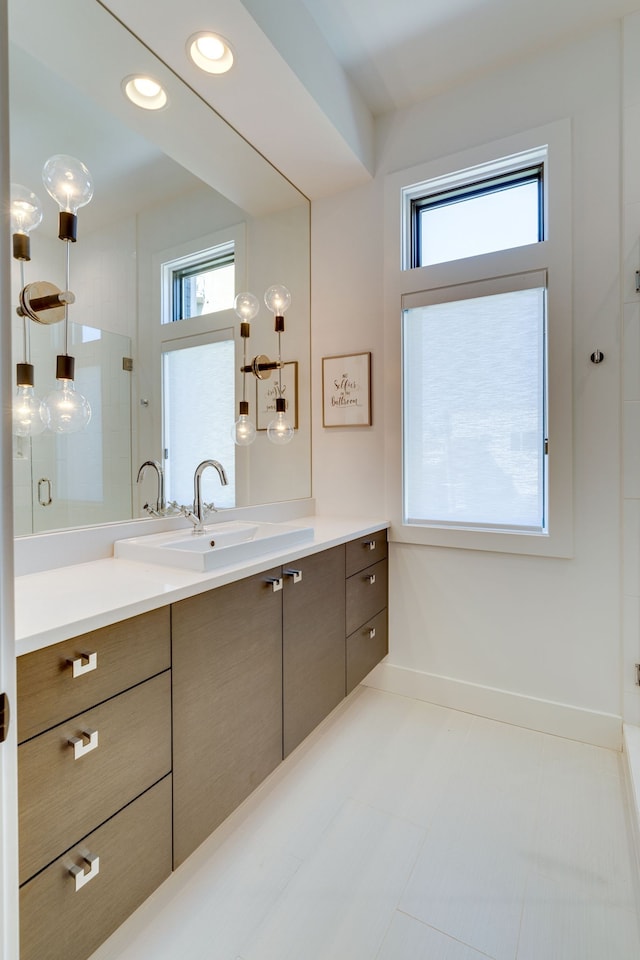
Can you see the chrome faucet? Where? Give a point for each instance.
(199, 507)
(159, 509)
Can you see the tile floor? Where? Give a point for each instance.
(404, 831)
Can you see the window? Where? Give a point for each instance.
(474, 406)
(482, 294)
(197, 355)
(198, 390)
(201, 283)
(479, 217)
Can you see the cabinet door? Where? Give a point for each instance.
(227, 702)
(313, 642)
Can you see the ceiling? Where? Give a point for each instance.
(398, 52)
(311, 76)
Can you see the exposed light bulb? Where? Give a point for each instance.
(68, 181)
(243, 431)
(29, 413)
(67, 411)
(277, 299)
(280, 431)
(246, 305)
(25, 209)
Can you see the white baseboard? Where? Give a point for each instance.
(559, 719)
(631, 751)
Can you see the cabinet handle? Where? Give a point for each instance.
(371, 578)
(369, 544)
(372, 633)
(276, 583)
(295, 574)
(80, 748)
(85, 663)
(83, 877)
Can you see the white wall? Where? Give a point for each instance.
(631, 368)
(545, 631)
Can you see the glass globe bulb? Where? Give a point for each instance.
(29, 413)
(246, 306)
(68, 181)
(67, 410)
(25, 209)
(277, 299)
(279, 430)
(243, 432)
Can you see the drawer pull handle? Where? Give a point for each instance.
(369, 544)
(371, 578)
(82, 877)
(85, 663)
(276, 583)
(372, 633)
(80, 748)
(296, 575)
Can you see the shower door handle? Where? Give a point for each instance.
(44, 492)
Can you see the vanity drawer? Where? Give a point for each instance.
(64, 796)
(134, 850)
(121, 655)
(366, 550)
(366, 595)
(366, 647)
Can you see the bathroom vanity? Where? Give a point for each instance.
(139, 737)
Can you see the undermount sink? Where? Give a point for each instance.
(232, 541)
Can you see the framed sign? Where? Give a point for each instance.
(267, 392)
(346, 390)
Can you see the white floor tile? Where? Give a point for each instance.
(207, 908)
(408, 939)
(560, 922)
(404, 831)
(341, 901)
(471, 875)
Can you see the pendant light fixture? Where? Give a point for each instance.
(279, 430)
(246, 307)
(278, 300)
(68, 181)
(29, 414)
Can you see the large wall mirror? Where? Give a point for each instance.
(175, 191)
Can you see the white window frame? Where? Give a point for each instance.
(552, 255)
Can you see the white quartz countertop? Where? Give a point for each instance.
(54, 605)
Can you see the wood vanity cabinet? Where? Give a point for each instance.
(94, 763)
(366, 605)
(137, 740)
(227, 702)
(313, 649)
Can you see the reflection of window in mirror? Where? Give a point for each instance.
(202, 283)
(198, 388)
(198, 365)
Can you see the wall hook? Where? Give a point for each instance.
(597, 356)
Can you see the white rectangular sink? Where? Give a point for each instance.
(233, 541)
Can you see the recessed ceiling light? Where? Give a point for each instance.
(145, 92)
(210, 52)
